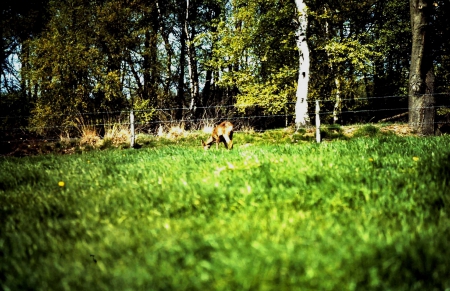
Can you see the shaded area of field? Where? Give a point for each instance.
(22, 144)
(358, 214)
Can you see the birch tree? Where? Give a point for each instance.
(301, 106)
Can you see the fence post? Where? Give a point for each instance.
(317, 122)
(132, 134)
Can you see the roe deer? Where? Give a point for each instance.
(221, 133)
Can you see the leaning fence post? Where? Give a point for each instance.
(317, 121)
(132, 134)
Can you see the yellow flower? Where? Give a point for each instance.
(415, 159)
(370, 159)
(61, 183)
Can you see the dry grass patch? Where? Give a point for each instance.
(89, 137)
(117, 134)
(173, 132)
(398, 129)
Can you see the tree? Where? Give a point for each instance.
(351, 46)
(301, 106)
(191, 15)
(93, 55)
(58, 67)
(20, 22)
(254, 49)
(421, 78)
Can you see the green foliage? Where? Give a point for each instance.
(358, 50)
(92, 55)
(333, 131)
(59, 66)
(367, 130)
(77, 64)
(273, 95)
(143, 110)
(257, 43)
(351, 51)
(362, 214)
(81, 56)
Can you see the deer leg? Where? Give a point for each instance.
(228, 143)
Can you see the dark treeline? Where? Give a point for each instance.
(63, 59)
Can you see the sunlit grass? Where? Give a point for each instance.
(275, 213)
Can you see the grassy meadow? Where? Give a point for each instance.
(275, 213)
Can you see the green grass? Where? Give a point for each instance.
(367, 130)
(359, 214)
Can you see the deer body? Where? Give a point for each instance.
(221, 133)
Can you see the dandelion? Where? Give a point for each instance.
(371, 160)
(415, 159)
(61, 183)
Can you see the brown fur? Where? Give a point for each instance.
(221, 133)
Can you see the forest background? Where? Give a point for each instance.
(65, 63)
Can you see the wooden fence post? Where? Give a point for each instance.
(132, 134)
(317, 121)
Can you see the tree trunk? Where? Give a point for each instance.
(301, 106)
(3, 54)
(146, 68)
(165, 34)
(192, 65)
(337, 104)
(207, 92)
(182, 66)
(421, 75)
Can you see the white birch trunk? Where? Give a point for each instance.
(301, 106)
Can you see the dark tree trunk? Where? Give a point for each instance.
(421, 74)
(192, 59)
(162, 7)
(207, 92)
(150, 67)
(2, 47)
(182, 67)
(207, 88)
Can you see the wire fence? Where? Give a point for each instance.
(357, 110)
(234, 106)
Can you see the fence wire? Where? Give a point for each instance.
(232, 116)
(237, 106)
